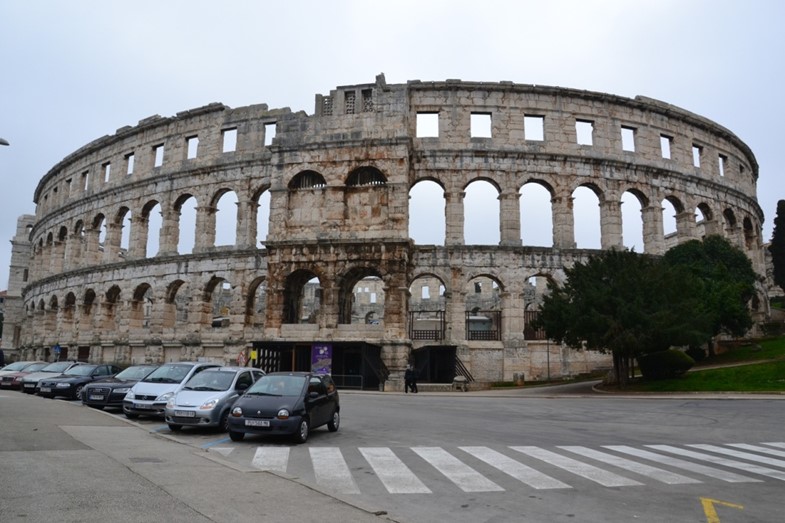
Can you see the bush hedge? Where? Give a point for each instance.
(665, 364)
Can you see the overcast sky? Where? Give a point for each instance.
(73, 71)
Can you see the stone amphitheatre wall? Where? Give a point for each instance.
(339, 183)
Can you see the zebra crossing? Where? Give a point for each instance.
(477, 469)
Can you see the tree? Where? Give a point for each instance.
(777, 246)
(627, 304)
(726, 279)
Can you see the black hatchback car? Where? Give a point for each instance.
(110, 392)
(290, 403)
(71, 382)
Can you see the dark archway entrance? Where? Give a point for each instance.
(435, 364)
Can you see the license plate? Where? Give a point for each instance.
(257, 423)
(29, 385)
(46, 389)
(142, 406)
(184, 413)
(95, 397)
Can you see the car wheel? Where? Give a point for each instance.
(223, 425)
(175, 428)
(131, 415)
(301, 436)
(78, 392)
(334, 422)
(236, 436)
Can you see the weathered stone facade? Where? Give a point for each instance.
(338, 183)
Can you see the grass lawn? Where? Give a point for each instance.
(767, 375)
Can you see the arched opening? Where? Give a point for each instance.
(124, 220)
(185, 208)
(534, 290)
(750, 238)
(141, 306)
(586, 215)
(262, 218)
(302, 297)
(483, 309)
(481, 214)
(256, 303)
(219, 296)
(632, 205)
(226, 219)
(176, 304)
(361, 292)
(153, 218)
(536, 214)
(427, 213)
(365, 176)
(427, 306)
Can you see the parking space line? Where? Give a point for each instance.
(216, 442)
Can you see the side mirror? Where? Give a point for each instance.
(313, 395)
(242, 386)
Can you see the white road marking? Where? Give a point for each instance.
(590, 472)
(758, 448)
(465, 477)
(392, 472)
(658, 474)
(742, 455)
(271, 458)
(331, 470)
(524, 473)
(730, 477)
(755, 469)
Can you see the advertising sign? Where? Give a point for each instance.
(321, 358)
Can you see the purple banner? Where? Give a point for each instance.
(322, 358)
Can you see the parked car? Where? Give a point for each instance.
(291, 403)
(109, 392)
(206, 399)
(30, 382)
(149, 396)
(16, 367)
(13, 380)
(71, 382)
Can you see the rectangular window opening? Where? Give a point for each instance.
(85, 180)
(158, 151)
(723, 161)
(481, 125)
(665, 146)
(269, 133)
(584, 130)
(349, 102)
(696, 155)
(229, 138)
(426, 293)
(367, 100)
(628, 139)
(107, 168)
(69, 185)
(129, 163)
(534, 128)
(427, 125)
(327, 106)
(192, 144)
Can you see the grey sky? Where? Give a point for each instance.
(78, 70)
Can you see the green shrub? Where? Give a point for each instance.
(696, 353)
(664, 364)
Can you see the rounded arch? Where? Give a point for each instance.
(113, 295)
(347, 295)
(62, 234)
(152, 218)
(176, 303)
(750, 235)
(536, 213)
(302, 297)
(365, 176)
(481, 212)
(88, 300)
(307, 180)
(70, 300)
(633, 202)
(53, 304)
(587, 198)
(256, 301)
(226, 205)
(427, 224)
(262, 199)
(185, 211)
(141, 305)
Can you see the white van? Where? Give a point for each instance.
(149, 396)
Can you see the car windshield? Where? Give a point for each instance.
(277, 385)
(211, 380)
(169, 374)
(134, 373)
(35, 367)
(19, 365)
(58, 367)
(80, 370)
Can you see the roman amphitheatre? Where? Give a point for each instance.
(125, 259)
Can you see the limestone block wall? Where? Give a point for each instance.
(338, 183)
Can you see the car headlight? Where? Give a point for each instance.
(122, 390)
(165, 396)
(170, 403)
(209, 405)
(237, 412)
(283, 414)
(129, 396)
(63, 385)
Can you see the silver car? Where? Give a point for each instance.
(207, 398)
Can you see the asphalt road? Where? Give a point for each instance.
(534, 455)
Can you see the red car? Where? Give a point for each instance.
(12, 378)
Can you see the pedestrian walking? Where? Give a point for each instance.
(410, 379)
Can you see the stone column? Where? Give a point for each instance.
(455, 313)
(112, 242)
(563, 222)
(205, 227)
(510, 218)
(685, 226)
(610, 224)
(137, 244)
(454, 217)
(57, 255)
(653, 235)
(246, 224)
(169, 236)
(512, 317)
(92, 252)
